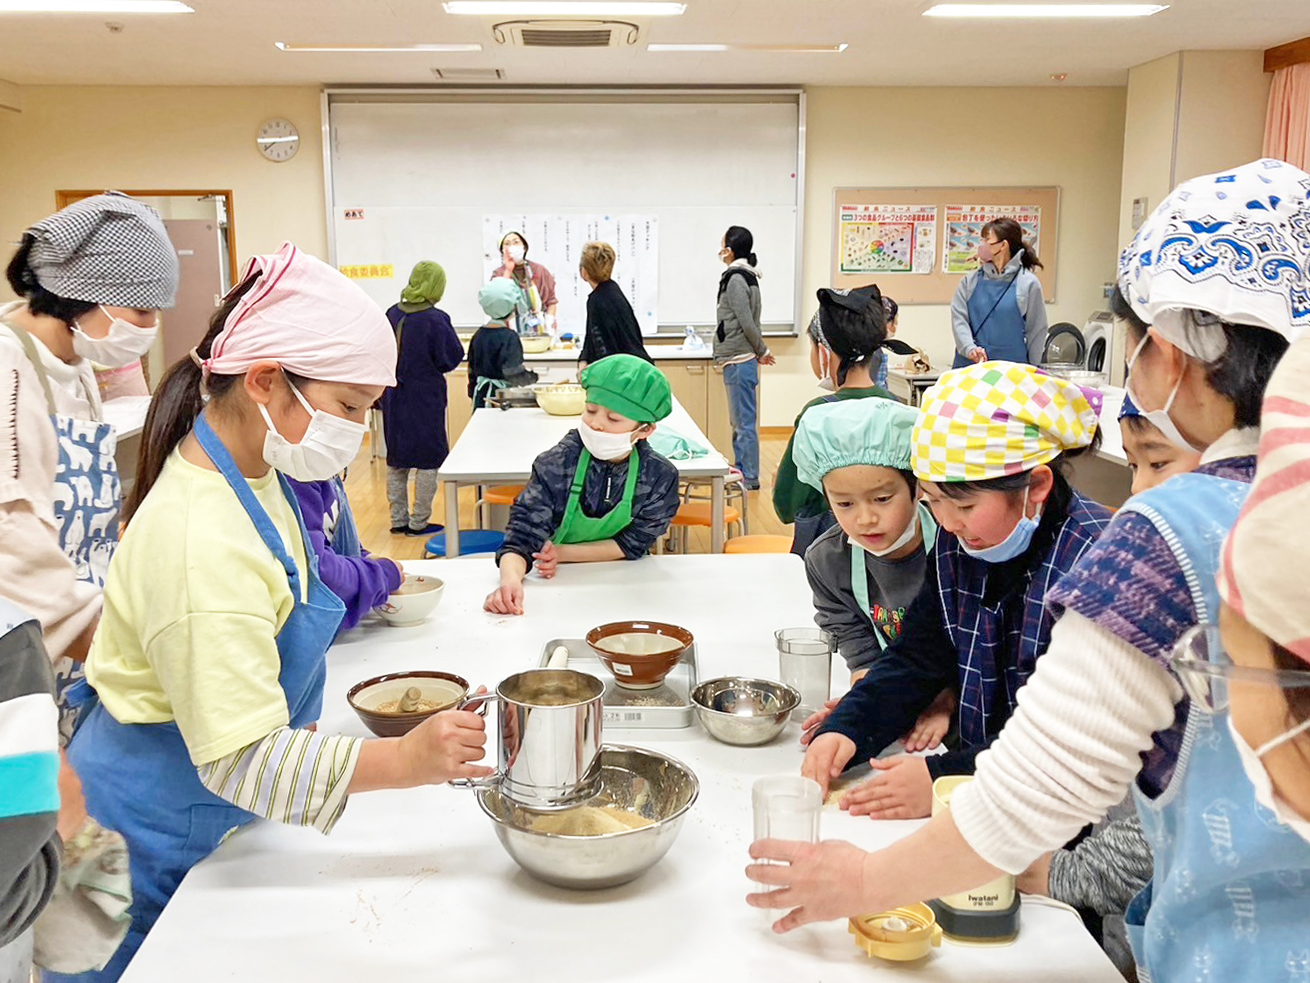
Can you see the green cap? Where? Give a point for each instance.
(630, 386)
(499, 298)
(426, 284)
(869, 431)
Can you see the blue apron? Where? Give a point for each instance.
(87, 493)
(343, 537)
(996, 321)
(1230, 895)
(139, 778)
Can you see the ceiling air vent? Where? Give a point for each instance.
(566, 33)
(467, 74)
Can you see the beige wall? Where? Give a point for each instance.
(1221, 116)
(930, 137)
(1148, 155)
(166, 138)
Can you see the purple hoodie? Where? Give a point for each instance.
(362, 582)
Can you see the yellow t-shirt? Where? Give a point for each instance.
(194, 601)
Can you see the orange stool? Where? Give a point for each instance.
(758, 544)
(498, 495)
(698, 514)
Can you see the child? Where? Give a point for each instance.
(601, 493)
(363, 582)
(866, 570)
(990, 448)
(495, 353)
(846, 334)
(208, 666)
(1152, 457)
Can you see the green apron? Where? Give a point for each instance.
(860, 573)
(578, 528)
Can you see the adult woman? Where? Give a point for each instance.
(414, 409)
(535, 282)
(92, 279)
(846, 335)
(998, 311)
(612, 328)
(1103, 708)
(208, 667)
(739, 347)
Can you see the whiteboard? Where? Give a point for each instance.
(418, 179)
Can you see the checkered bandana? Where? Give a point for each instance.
(996, 419)
(108, 249)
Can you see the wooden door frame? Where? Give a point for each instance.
(65, 198)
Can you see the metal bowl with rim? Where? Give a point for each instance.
(633, 779)
(744, 711)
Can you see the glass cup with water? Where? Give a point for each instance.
(805, 664)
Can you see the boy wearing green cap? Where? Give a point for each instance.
(495, 353)
(601, 493)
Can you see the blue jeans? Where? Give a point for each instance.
(742, 380)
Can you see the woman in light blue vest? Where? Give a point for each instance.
(998, 312)
(1212, 289)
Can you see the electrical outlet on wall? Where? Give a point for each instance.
(1139, 212)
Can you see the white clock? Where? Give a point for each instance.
(278, 139)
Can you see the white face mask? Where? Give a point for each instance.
(123, 344)
(1015, 544)
(605, 446)
(329, 445)
(827, 383)
(1264, 786)
(516, 253)
(904, 539)
(1158, 418)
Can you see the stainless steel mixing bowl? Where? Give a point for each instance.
(743, 711)
(632, 778)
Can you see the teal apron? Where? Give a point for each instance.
(139, 778)
(576, 527)
(860, 573)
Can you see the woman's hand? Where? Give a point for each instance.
(1037, 878)
(826, 758)
(768, 359)
(903, 790)
(820, 881)
(978, 355)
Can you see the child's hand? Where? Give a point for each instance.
(933, 724)
(826, 758)
(903, 790)
(1037, 878)
(813, 721)
(505, 599)
(442, 747)
(547, 561)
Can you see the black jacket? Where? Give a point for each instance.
(612, 328)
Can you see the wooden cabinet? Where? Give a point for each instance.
(719, 426)
(687, 380)
(459, 408)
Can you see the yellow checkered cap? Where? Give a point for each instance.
(996, 419)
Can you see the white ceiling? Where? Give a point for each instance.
(230, 42)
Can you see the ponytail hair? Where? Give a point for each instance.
(1010, 232)
(741, 242)
(22, 280)
(177, 402)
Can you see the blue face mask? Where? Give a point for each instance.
(1015, 544)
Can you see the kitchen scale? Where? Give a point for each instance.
(666, 706)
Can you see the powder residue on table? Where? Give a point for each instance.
(589, 821)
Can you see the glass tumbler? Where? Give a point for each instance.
(785, 807)
(805, 663)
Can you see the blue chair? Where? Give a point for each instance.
(470, 541)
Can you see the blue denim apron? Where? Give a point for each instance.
(139, 778)
(997, 323)
(1230, 895)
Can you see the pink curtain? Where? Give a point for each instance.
(1287, 124)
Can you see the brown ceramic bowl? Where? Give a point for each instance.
(445, 689)
(639, 653)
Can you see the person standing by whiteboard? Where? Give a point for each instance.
(740, 349)
(998, 312)
(612, 327)
(535, 283)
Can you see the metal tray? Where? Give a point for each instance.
(668, 705)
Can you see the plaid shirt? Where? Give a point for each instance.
(998, 638)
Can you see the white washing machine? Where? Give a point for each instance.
(1098, 335)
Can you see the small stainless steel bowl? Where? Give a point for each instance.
(634, 779)
(743, 711)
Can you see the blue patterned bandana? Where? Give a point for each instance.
(1234, 245)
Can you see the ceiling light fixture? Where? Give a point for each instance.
(374, 48)
(815, 49)
(94, 7)
(565, 8)
(1047, 10)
